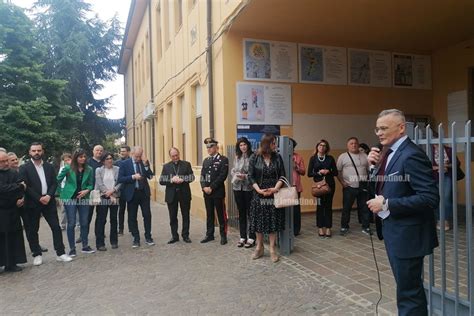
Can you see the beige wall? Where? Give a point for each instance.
(178, 66)
(328, 101)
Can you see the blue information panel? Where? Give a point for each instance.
(254, 132)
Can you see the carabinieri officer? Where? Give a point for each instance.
(213, 174)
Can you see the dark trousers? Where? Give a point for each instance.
(101, 220)
(91, 213)
(219, 205)
(349, 195)
(297, 217)
(142, 200)
(26, 222)
(185, 205)
(50, 214)
(242, 199)
(411, 298)
(121, 213)
(324, 211)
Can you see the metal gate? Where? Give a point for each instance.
(449, 275)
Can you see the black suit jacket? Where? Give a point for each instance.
(33, 192)
(184, 171)
(213, 174)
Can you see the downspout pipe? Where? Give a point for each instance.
(150, 32)
(209, 68)
(133, 101)
(152, 92)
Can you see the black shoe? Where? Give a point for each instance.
(173, 240)
(101, 248)
(43, 249)
(136, 244)
(120, 232)
(149, 242)
(223, 240)
(14, 268)
(207, 239)
(114, 246)
(187, 240)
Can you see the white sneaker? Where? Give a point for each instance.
(38, 260)
(64, 258)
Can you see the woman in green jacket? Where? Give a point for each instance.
(75, 197)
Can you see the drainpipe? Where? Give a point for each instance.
(152, 92)
(133, 100)
(209, 68)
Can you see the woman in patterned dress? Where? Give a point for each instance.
(265, 170)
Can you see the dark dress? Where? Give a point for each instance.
(324, 208)
(264, 217)
(12, 246)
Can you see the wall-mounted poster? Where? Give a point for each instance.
(270, 60)
(411, 71)
(322, 64)
(370, 68)
(263, 104)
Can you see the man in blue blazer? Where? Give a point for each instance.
(134, 174)
(406, 198)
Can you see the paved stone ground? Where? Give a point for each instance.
(189, 279)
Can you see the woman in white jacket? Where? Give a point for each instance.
(106, 182)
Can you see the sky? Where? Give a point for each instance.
(106, 10)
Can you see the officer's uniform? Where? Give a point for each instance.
(213, 174)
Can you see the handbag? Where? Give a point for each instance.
(95, 197)
(286, 196)
(320, 188)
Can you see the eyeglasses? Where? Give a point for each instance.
(383, 129)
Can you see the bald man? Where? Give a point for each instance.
(134, 174)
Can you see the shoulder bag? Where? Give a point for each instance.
(286, 196)
(320, 188)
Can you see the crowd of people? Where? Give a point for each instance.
(401, 197)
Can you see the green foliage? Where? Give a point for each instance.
(84, 51)
(32, 107)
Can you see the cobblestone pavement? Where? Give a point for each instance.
(178, 279)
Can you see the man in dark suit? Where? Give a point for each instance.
(124, 155)
(134, 174)
(176, 175)
(406, 199)
(41, 185)
(213, 174)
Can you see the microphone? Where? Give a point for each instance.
(379, 146)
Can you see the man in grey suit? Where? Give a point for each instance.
(176, 175)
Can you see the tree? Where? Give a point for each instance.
(31, 106)
(84, 51)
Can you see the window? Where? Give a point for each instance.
(143, 64)
(167, 10)
(147, 56)
(178, 18)
(158, 32)
(199, 140)
(184, 121)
